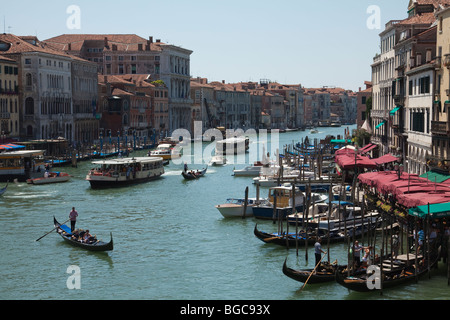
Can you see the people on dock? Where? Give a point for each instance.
(73, 218)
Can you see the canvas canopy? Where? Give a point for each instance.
(436, 210)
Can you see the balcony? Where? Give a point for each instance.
(439, 127)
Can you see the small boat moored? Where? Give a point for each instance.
(92, 245)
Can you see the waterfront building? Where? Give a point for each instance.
(440, 124)
(118, 54)
(46, 88)
(9, 99)
(204, 106)
(126, 107)
(416, 73)
(233, 105)
(85, 127)
(317, 106)
(383, 75)
(361, 98)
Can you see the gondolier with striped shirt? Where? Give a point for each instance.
(73, 218)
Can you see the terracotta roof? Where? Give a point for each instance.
(424, 18)
(120, 92)
(124, 42)
(20, 45)
(7, 59)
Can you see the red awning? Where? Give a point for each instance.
(387, 158)
(367, 148)
(408, 189)
(350, 161)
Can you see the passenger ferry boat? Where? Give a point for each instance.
(234, 145)
(125, 171)
(166, 151)
(21, 165)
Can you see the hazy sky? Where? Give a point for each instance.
(314, 43)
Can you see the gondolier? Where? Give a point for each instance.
(73, 218)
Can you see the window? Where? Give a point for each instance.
(120, 68)
(27, 61)
(410, 88)
(424, 84)
(108, 58)
(133, 69)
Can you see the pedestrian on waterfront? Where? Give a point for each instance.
(185, 167)
(395, 245)
(73, 218)
(318, 250)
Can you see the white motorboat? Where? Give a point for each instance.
(232, 146)
(218, 160)
(165, 151)
(234, 207)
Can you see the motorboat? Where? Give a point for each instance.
(218, 160)
(234, 207)
(50, 177)
(166, 151)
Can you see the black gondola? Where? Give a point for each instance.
(326, 272)
(192, 175)
(393, 278)
(293, 239)
(3, 190)
(66, 234)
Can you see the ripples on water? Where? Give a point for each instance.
(170, 243)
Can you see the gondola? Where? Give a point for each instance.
(66, 234)
(326, 272)
(393, 278)
(292, 239)
(188, 175)
(3, 190)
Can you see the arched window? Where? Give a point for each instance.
(29, 131)
(125, 119)
(29, 106)
(28, 78)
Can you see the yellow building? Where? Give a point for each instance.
(440, 124)
(9, 99)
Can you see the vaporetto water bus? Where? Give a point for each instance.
(124, 171)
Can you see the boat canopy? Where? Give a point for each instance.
(124, 161)
(11, 146)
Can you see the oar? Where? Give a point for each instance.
(51, 230)
(313, 271)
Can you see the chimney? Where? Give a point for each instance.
(150, 39)
(106, 42)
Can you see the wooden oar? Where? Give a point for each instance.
(51, 230)
(313, 271)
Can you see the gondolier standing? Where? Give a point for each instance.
(73, 218)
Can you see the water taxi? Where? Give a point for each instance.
(21, 165)
(125, 171)
(232, 146)
(165, 151)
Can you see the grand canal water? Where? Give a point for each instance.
(170, 243)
